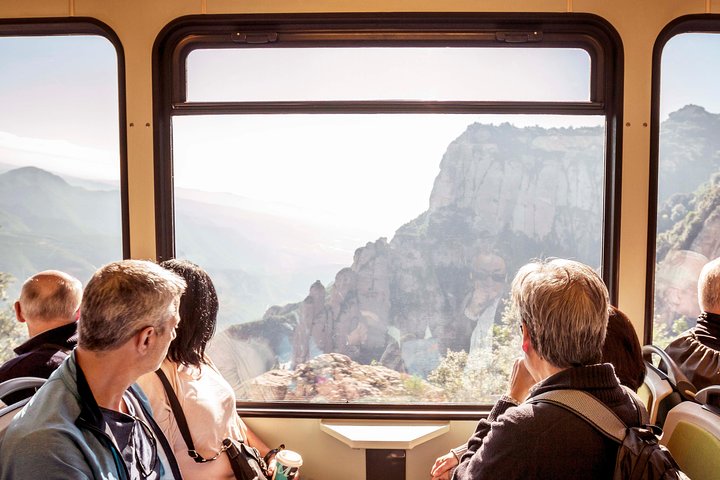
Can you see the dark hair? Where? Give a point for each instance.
(622, 349)
(198, 314)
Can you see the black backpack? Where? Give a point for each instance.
(640, 455)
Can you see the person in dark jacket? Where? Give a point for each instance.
(563, 310)
(49, 306)
(621, 349)
(697, 351)
(89, 420)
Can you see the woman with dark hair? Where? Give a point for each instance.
(622, 349)
(206, 398)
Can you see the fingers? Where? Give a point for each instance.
(521, 381)
(443, 464)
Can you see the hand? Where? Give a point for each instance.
(443, 476)
(443, 466)
(520, 381)
(271, 464)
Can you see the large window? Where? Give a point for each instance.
(687, 151)
(60, 200)
(363, 193)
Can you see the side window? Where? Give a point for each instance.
(363, 198)
(60, 200)
(688, 164)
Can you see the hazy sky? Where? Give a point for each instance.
(59, 104)
(690, 73)
(374, 171)
(59, 112)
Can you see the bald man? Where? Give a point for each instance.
(49, 306)
(697, 351)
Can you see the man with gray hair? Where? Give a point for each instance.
(49, 305)
(563, 310)
(89, 420)
(697, 351)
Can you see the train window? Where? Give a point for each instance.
(687, 152)
(60, 200)
(381, 73)
(363, 193)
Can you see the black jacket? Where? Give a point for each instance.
(547, 441)
(39, 357)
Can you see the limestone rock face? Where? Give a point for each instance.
(504, 195)
(333, 377)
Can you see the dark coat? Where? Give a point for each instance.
(39, 357)
(697, 351)
(547, 441)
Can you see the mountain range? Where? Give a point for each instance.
(503, 192)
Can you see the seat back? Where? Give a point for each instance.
(692, 434)
(7, 413)
(655, 388)
(681, 388)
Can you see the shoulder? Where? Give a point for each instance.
(9, 368)
(50, 452)
(683, 346)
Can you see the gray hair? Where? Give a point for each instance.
(50, 295)
(709, 287)
(564, 306)
(124, 297)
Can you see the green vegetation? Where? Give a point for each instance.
(662, 335)
(481, 376)
(11, 332)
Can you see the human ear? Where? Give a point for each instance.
(526, 343)
(144, 339)
(18, 313)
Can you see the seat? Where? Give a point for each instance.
(655, 388)
(692, 434)
(7, 413)
(665, 386)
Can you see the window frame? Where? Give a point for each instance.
(699, 23)
(589, 32)
(46, 27)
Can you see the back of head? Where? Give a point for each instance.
(564, 306)
(121, 299)
(622, 349)
(709, 287)
(198, 313)
(50, 295)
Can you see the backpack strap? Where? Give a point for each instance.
(588, 408)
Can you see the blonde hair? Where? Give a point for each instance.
(564, 306)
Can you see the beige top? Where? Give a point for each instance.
(208, 402)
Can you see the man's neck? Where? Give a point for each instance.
(36, 327)
(541, 368)
(108, 374)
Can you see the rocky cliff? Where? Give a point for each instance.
(503, 196)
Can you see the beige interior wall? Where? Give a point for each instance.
(137, 23)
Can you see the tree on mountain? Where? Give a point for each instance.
(11, 332)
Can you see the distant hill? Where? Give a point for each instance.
(690, 150)
(47, 223)
(256, 258)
